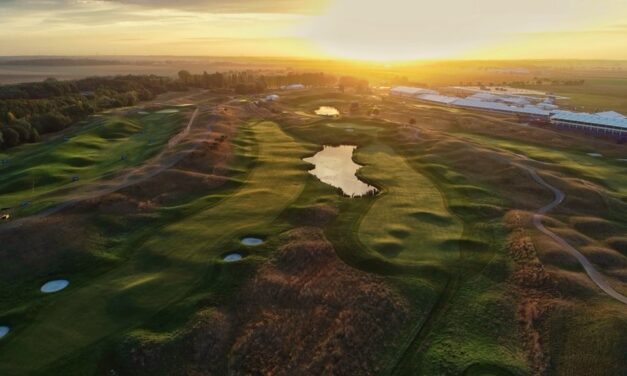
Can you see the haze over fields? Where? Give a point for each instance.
(349, 29)
(316, 187)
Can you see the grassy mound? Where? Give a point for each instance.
(45, 173)
(410, 222)
(306, 312)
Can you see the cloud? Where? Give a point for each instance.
(232, 6)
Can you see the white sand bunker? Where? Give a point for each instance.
(327, 111)
(595, 155)
(4, 330)
(252, 241)
(168, 111)
(232, 257)
(54, 286)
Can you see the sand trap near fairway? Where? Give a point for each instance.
(251, 241)
(4, 330)
(54, 286)
(168, 111)
(232, 257)
(327, 111)
(597, 155)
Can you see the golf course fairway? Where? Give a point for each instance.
(164, 268)
(410, 222)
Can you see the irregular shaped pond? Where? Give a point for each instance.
(4, 330)
(232, 257)
(327, 111)
(54, 286)
(335, 166)
(252, 241)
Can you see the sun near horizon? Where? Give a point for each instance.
(365, 30)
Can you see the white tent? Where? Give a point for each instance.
(272, 98)
(294, 87)
(407, 91)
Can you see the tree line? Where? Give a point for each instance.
(253, 82)
(29, 110)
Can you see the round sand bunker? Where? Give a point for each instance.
(4, 330)
(54, 286)
(232, 257)
(252, 241)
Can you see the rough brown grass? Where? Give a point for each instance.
(304, 313)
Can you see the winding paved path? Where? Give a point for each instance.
(559, 196)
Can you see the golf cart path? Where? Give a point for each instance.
(133, 176)
(559, 196)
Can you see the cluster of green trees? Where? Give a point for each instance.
(30, 109)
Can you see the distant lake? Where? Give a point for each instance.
(335, 166)
(327, 111)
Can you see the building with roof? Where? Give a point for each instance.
(607, 123)
(293, 87)
(408, 91)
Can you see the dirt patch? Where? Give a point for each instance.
(534, 289)
(44, 246)
(304, 313)
(315, 215)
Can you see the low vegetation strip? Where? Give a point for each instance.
(164, 268)
(410, 222)
(594, 274)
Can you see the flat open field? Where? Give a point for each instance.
(442, 271)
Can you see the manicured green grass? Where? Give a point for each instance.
(596, 94)
(165, 267)
(410, 222)
(43, 173)
(445, 259)
(604, 170)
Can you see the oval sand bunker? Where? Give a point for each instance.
(252, 241)
(4, 330)
(232, 257)
(168, 111)
(327, 111)
(54, 286)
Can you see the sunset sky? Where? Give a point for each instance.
(353, 29)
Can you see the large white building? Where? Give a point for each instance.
(408, 91)
(609, 122)
(293, 87)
